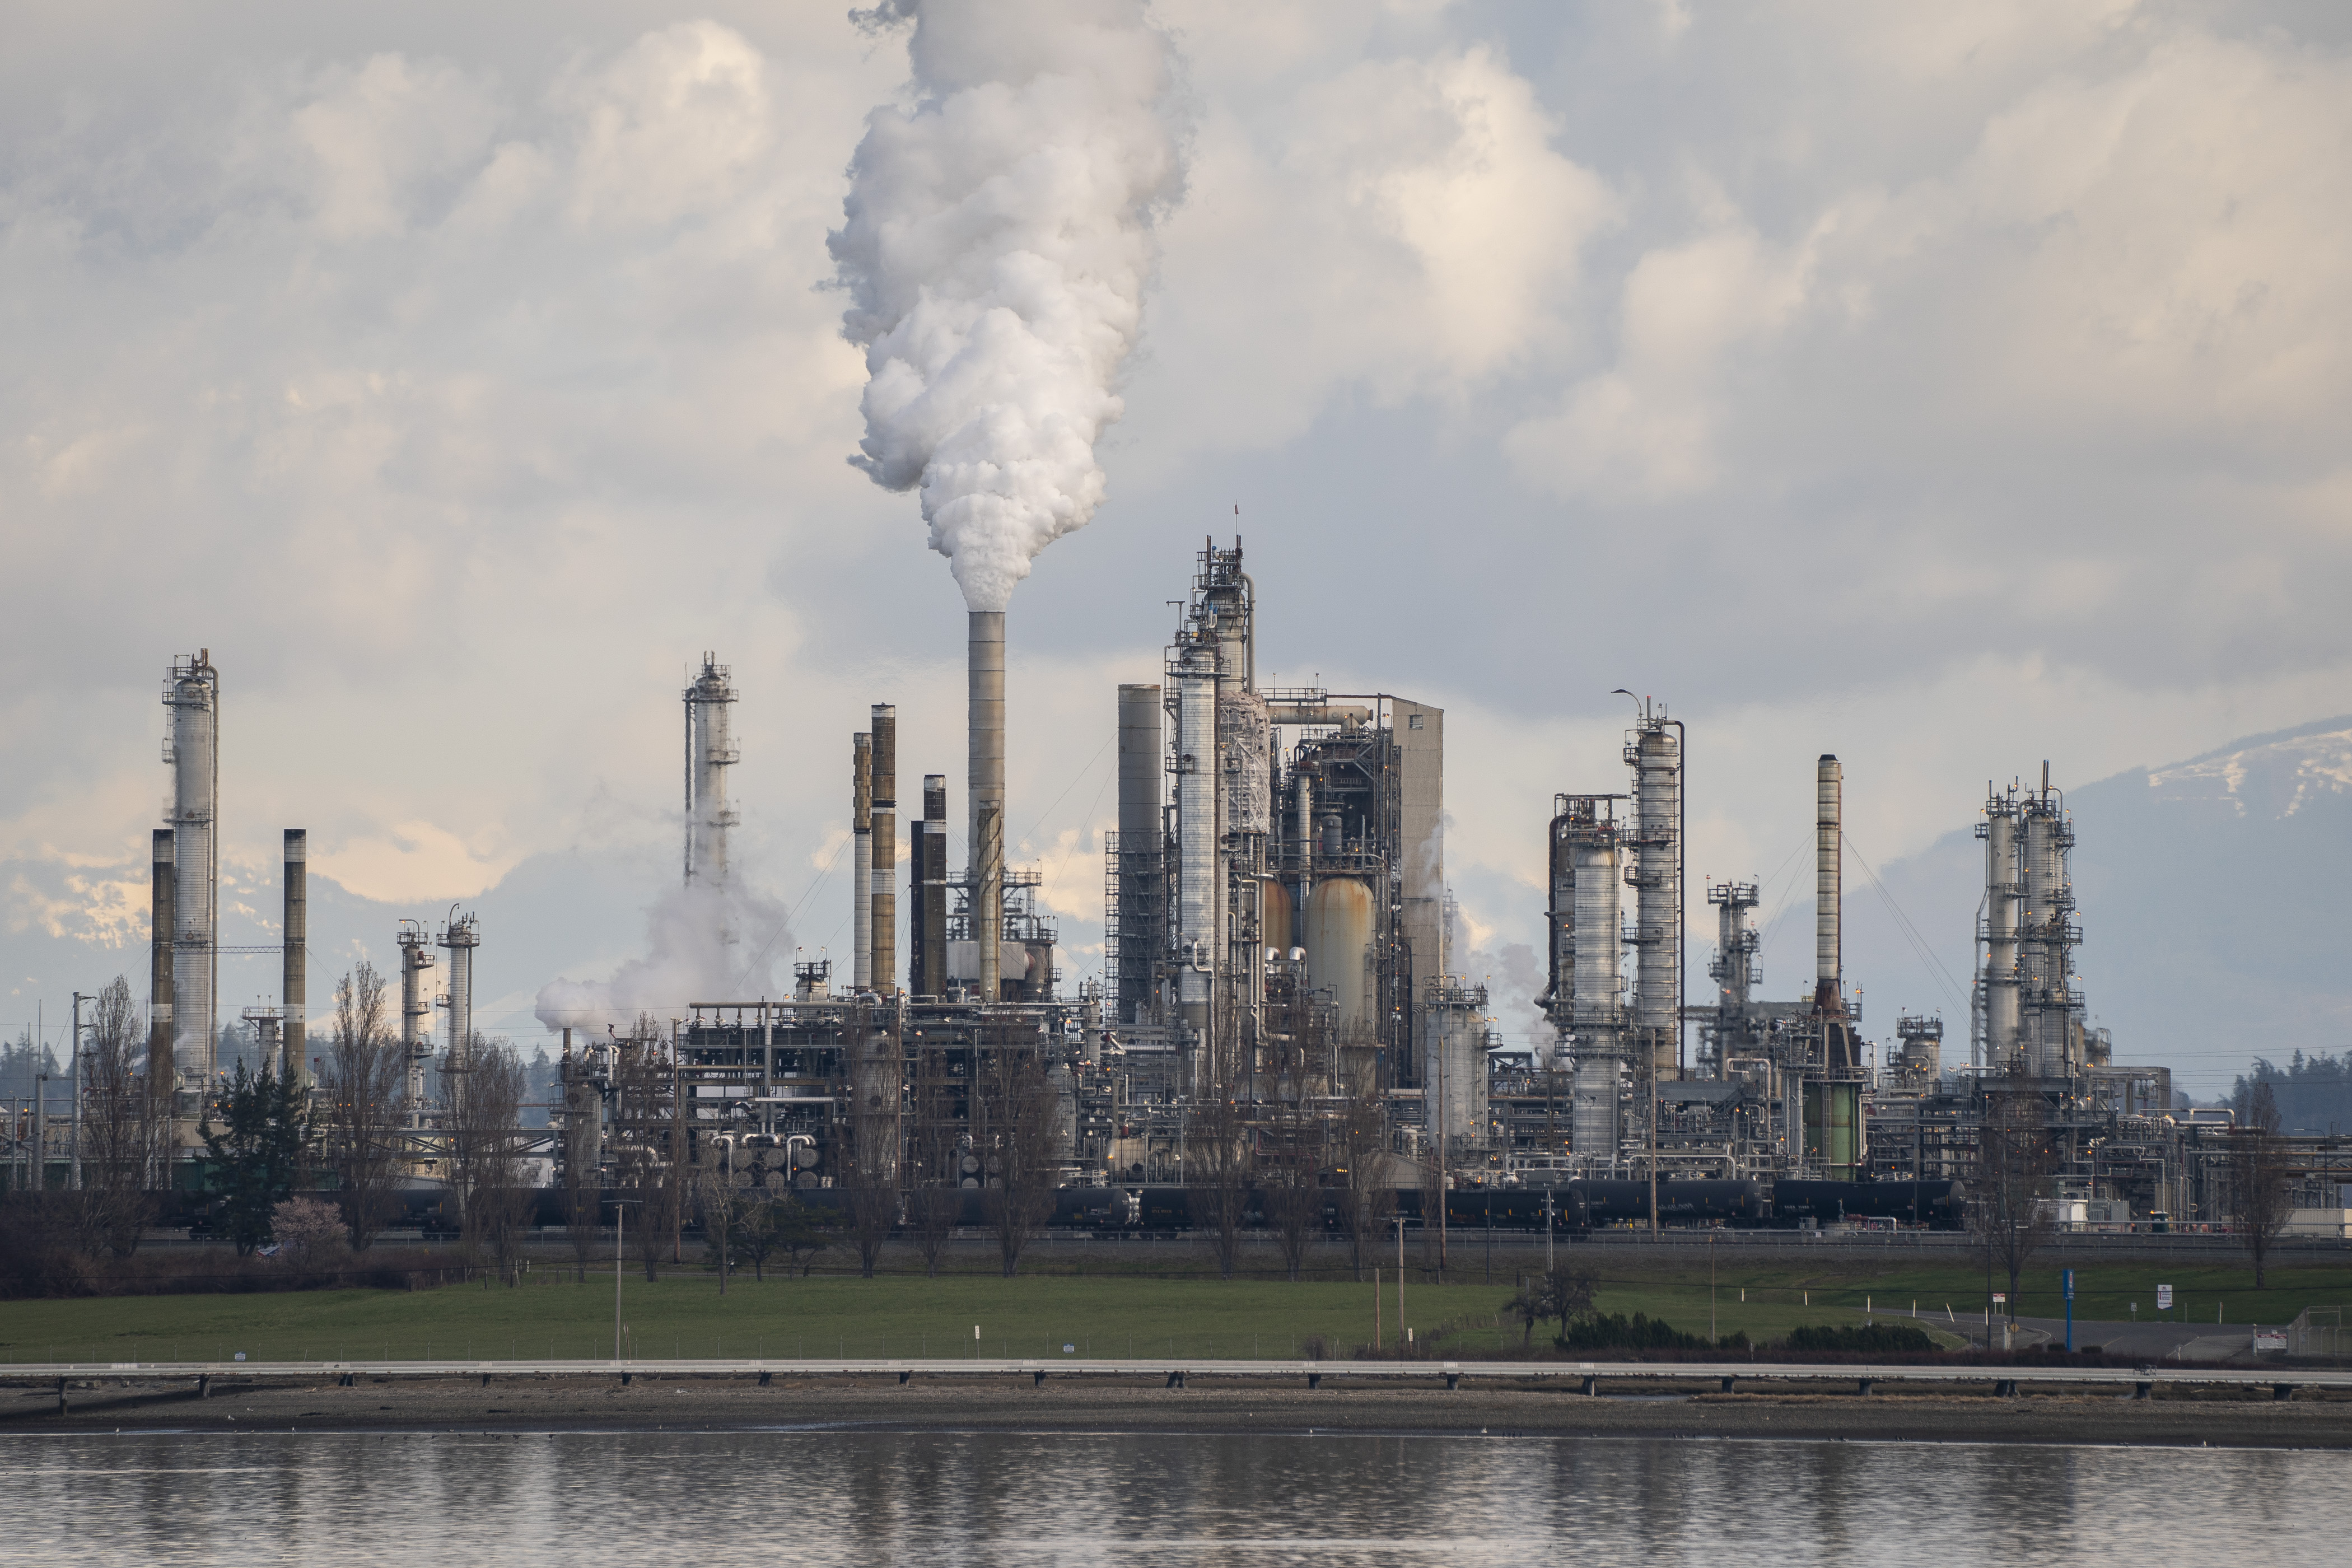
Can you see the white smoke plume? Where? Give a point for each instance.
(704, 943)
(997, 241)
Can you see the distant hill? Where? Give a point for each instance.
(2212, 895)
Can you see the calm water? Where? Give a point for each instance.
(866, 1498)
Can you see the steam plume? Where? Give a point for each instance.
(688, 959)
(996, 245)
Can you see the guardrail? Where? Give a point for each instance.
(1589, 1375)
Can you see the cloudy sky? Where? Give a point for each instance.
(1945, 387)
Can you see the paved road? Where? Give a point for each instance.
(2192, 1343)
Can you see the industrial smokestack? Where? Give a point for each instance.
(985, 769)
(160, 1077)
(861, 869)
(886, 849)
(1828, 886)
(295, 1001)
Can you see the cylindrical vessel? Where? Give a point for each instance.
(461, 937)
(295, 998)
(1339, 950)
(885, 838)
(1828, 885)
(1142, 915)
(984, 661)
(1279, 918)
(709, 751)
(861, 862)
(1200, 879)
(2043, 951)
(415, 1042)
(1657, 880)
(2002, 976)
(160, 1078)
(926, 923)
(194, 701)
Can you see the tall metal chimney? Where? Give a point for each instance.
(861, 852)
(295, 1000)
(985, 768)
(886, 849)
(161, 1079)
(1828, 886)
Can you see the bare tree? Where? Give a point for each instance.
(1290, 1183)
(935, 1195)
(582, 1178)
(123, 1125)
(1363, 1147)
(1218, 1166)
(482, 1099)
(2009, 1180)
(1564, 1293)
(359, 1126)
(1022, 1146)
(646, 1162)
(872, 1169)
(2261, 1182)
(722, 1207)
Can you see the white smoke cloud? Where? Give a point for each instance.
(704, 943)
(997, 240)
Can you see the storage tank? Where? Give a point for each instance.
(1278, 918)
(1339, 947)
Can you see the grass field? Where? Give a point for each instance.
(1102, 1314)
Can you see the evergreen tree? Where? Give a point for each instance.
(258, 1157)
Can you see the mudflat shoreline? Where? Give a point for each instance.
(2218, 1418)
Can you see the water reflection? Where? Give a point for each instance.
(938, 1499)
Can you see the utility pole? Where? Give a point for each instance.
(73, 1058)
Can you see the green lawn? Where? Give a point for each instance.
(906, 1315)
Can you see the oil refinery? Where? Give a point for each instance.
(1277, 1005)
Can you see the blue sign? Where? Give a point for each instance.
(2069, 1277)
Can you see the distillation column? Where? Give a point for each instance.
(415, 1006)
(2003, 896)
(1586, 1001)
(194, 697)
(927, 917)
(1142, 917)
(295, 995)
(882, 838)
(861, 864)
(160, 1078)
(1200, 879)
(1655, 757)
(1829, 881)
(461, 936)
(709, 752)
